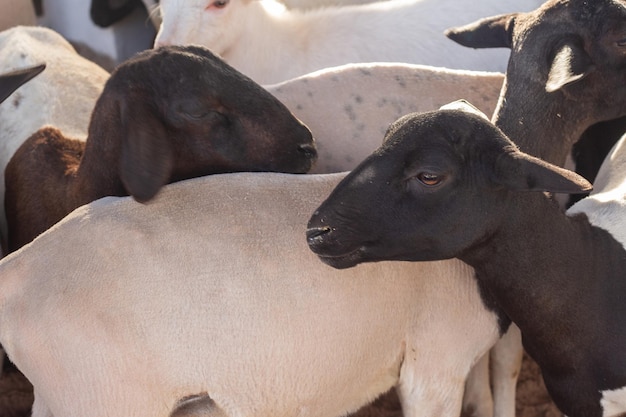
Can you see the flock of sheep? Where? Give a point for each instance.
(418, 246)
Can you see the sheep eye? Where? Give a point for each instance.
(621, 42)
(197, 116)
(219, 4)
(193, 109)
(428, 179)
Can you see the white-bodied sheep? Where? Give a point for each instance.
(165, 115)
(349, 108)
(273, 47)
(211, 288)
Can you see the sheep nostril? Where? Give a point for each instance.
(316, 233)
(309, 151)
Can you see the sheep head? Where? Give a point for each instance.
(181, 112)
(439, 184)
(567, 65)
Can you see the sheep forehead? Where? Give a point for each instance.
(460, 129)
(179, 66)
(575, 15)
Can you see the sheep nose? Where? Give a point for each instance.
(309, 151)
(315, 235)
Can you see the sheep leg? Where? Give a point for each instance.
(440, 396)
(506, 363)
(477, 398)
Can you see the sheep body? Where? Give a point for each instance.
(350, 107)
(273, 47)
(607, 202)
(265, 329)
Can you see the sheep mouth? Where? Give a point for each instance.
(344, 261)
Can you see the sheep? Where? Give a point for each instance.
(349, 108)
(543, 95)
(165, 115)
(273, 47)
(578, 86)
(69, 88)
(220, 294)
(449, 184)
(17, 13)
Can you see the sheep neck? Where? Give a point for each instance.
(97, 175)
(566, 298)
(546, 128)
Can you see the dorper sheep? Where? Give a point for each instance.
(450, 184)
(565, 74)
(273, 47)
(165, 115)
(211, 288)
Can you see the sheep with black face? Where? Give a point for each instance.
(448, 184)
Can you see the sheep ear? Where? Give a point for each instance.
(490, 32)
(146, 155)
(11, 81)
(570, 64)
(465, 106)
(522, 172)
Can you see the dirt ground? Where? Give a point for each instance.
(532, 398)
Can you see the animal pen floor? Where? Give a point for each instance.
(532, 399)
